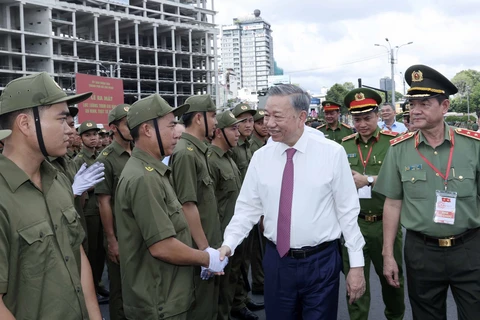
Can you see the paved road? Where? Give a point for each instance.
(376, 307)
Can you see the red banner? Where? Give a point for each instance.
(107, 94)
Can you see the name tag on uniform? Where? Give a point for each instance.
(413, 167)
(445, 207)
(365, 192)
(351, 155)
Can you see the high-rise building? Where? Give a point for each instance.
(247, 48)
(154, 46)
(386, 84)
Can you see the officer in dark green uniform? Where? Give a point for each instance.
(260, 132)
(333, 129)
(242, 154)
(431, 182)
(227, 182)
(153, 234)
(366, 151)
(114, 157)
(44, 273)
(88, 132)
(195, 190)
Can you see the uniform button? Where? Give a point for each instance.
(55, 226)
(366, 146)
(461, 177)
(67, 258)
(369, 211)
(413, 179)
(42, 234)
(161, 315)
(437, 174)
(435, 152)
(160, 308)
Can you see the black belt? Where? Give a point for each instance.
(305, 252)
(446, 241)
(370, 217)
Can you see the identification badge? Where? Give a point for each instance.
(365, 192)
(445, 207)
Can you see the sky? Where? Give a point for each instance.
(323, 42)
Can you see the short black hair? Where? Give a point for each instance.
(135, 132)
(7, 119)
(187, 118)
(441, 97)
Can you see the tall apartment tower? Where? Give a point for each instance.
(247, 48)
(155, 46)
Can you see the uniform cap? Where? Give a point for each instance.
(102, 131)
(151, 107)
(330, 106)
(117, 113)
(87, 126)
(362, 100)
(426, 82)
(260, 114)
(35, 90)
(200, 103)
(243, 108)
(5, 133)
(226, 119)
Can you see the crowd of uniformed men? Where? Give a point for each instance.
(107, 198)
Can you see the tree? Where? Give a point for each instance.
(337, 93)
(468, 84)
(349, 86)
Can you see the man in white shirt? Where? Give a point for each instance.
(304, 217)
(388, 119)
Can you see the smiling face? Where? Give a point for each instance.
(387, 113)
(365, 124)
(261, 128)
(331, 117)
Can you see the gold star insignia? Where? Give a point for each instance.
(417, 76)
(105, 153)
(244, 107)
(359, 96)
(149, 169)
(125, 109)
(89, 124)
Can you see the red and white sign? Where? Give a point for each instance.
(107, 94)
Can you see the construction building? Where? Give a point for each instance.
(155, 46)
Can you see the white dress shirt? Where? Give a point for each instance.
(307, 129)
(325, 200)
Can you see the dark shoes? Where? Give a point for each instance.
(244, 314)
(255, 306)
(257, 292)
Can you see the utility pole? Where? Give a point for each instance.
(468, 104)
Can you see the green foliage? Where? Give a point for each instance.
(468, 84)
(337, 93)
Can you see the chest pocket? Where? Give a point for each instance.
(208, 193)
(176, 215)
(73, 226)
(228, 182)
(463, 182)
(37, 253)
(354, 161)
(415, 184)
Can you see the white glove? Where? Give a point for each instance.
(215, 264)
(87, 177)
(206, 274)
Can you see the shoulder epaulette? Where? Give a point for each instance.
(389, 133)
(346, 125)
(349, 137)
(468, 133)
(320, 126)
(401, 138)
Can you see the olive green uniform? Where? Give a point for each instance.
(40, 238)
(96, 251)
(242, 155)
(431, 265)
(371, 225)
(114, 157)
(338, 134)
(192, 183)
(227, 182)
(147, 211)
(255, 143)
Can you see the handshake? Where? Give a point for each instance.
(215, 266)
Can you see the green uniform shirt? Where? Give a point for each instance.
(242, 155)
(405, 176)
(255, 143)
(40, 237)
(148, 212)
(91, 205)
(66, 166)
(227, 181)
(70, 154)
(379, 144)
(192, 183)
(338, 134)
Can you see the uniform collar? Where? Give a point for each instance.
(199, 144)
(217, 150)
(254, 138)
(375, 136)
(117, 148)
(15, 177)
(87, 153)
(419, 137)
(151, 162)
(300, 146)
(338, 127)
(242, 141)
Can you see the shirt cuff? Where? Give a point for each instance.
(230, 244)
(356, 259)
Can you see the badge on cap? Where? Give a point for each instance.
(231, 115)
(327, 104)
(417, 76)
(149, 169)
(261, 112)
(244, 107)
(359, 96)
(125, 109)
(89, 124)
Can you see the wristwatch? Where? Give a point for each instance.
(370, 180)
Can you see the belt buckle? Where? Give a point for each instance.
(446, 242)
(371, 218)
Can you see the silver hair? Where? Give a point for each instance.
(299, 98)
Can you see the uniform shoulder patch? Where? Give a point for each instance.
(80, 155)
(320, 126)
(402, 138)
(149, 169)
(349, 137)
(189, 148)
(346, 125)
(468, 133)
(389, 133)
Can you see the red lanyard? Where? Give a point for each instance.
(449, 164)
(364, 163)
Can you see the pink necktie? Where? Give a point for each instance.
(285, 207)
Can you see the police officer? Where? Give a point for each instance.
(114, 157)
(44, 271)
(227, 182)
(88, 132)
(260, 132)
(196, 193)
(431, 182)
(242, 153)
(333, 129)
(366, 151)
(153, 234)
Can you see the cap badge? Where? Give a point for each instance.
(244, 107)
(231, 115)
(417, 76)
(261, 112)
(125, 109)
(149, 169)
(359, 96)
(89, 124)
(327, 104)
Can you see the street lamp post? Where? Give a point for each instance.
(392, 63)
(468, 104)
